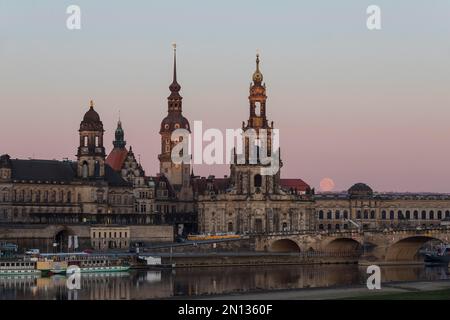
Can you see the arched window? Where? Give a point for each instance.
(69, 197)
(447, 214)
(366, 214)
(423, 215)
(392, 215)
(258, 109)
(230, 226)
(372, 214)
(408, 214)
(258, 180)
(439, 215)
(345, 214)
(329, 215)
(337, 214)
(400, 215)
(416, 215)
(320, 214)
(85, 141)
(85, 170)
(358, 214)
(97, 143)
(431, 217)
(97, 169)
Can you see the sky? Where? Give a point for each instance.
(351, 104)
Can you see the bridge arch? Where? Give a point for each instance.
(343, 245)
(406, 249)
(284, 245)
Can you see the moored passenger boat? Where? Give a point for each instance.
(100, 264)
(51, 267)
(58, 263)
(18, 267)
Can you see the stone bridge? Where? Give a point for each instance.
(371, 245)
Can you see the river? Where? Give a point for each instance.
(203, 281)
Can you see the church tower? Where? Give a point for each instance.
(91, 153)
(177, 174)
(246, 176)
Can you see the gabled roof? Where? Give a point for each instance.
(116, 158)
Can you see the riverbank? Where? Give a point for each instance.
(389, 291)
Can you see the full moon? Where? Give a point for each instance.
(326, 184)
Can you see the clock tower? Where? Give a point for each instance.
(177, 174)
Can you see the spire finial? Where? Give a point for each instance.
(174, 45)
(257, 59)
(174, 87)
(257, 75)
(91, 103)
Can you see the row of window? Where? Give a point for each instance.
(37, 196)
(117, 199)
(400, 215)
(338, 227)
(104, 234)
(142, 207)
(146, 195)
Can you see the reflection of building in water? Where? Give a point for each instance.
(108, 286)
(190, 282)
(209, 281)
(411, 273)
(15, 287)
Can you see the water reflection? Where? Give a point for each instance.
(203, 281)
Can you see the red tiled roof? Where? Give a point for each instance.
(116, 158)
(298, 184)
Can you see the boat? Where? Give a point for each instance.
(51, 267)
(153, 262)
(53, 264)
(18, 267)
(99, 264)
(440, 255)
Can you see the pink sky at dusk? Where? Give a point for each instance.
(351, 105)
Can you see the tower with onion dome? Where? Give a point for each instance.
(91, 152)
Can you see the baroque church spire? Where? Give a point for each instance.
(119, 142)
(175, 86)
